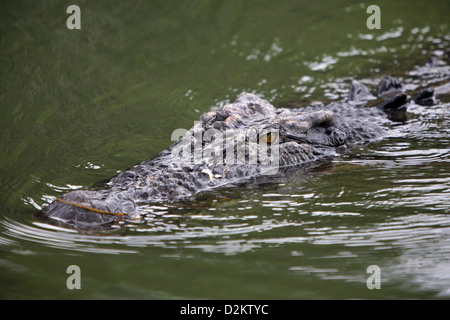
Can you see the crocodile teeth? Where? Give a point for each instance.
(209, 173)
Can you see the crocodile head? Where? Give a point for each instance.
(85, 209)
(245, 139)
(251, 131)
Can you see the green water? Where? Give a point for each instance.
(77, 106)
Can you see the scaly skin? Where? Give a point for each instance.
(301, 136)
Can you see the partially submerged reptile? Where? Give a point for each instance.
(247, 140)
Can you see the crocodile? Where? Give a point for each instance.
(246, 141)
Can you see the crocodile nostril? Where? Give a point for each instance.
(340, 137)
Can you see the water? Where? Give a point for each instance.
(80, 105)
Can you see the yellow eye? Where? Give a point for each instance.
(267, 138)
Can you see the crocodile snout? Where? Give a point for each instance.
(89, 209)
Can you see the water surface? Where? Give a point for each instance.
(78, 106)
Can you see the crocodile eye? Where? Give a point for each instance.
(269, 137)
